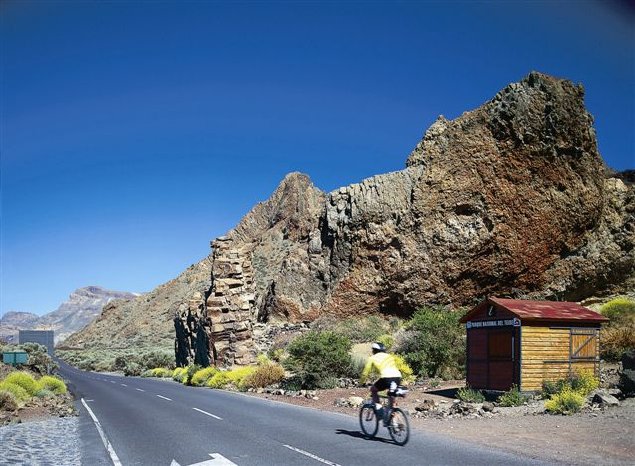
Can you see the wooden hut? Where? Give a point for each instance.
(524, 343)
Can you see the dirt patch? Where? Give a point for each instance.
(600, 436)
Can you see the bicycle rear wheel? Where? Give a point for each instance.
(399, 428)
(367, 420)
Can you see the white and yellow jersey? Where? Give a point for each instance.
(382, 363)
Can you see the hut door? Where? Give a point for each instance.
(502, 355)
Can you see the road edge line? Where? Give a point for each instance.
(111, 451)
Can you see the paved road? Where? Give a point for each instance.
(158, 422)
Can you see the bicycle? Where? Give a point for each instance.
(398, 425)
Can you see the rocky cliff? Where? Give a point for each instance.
(508, 199)
(83, 306)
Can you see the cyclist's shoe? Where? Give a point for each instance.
(379, 413)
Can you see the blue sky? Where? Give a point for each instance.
(133, 133)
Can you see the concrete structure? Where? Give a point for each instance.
(43, 337)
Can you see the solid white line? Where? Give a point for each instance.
(123, 385)
(107, 444)
(139, 389)
(209, 414)
(164, 397)
(311, 455)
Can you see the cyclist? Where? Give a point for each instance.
(389, 375)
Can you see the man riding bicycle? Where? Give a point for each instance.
(389, 375)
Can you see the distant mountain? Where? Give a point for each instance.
(83, 306)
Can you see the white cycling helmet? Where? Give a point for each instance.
(379, 347)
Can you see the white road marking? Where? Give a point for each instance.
(123, 385)
(209, 414)
(311, 455)
(217, 460)
(112, 381)
(107, 444)
(164, 397)
(139, 390)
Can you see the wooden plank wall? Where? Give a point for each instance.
(540, 348)
(545, 354)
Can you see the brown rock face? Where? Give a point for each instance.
(509, 199)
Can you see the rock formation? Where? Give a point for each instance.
(508, 199)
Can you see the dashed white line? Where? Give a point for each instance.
(209, 414)
(123, 385)
(311, 455)
(111, 450)
(164, 397)
(138, 389)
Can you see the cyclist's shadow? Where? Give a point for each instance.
(358, 434)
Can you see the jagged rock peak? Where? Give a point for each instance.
(294, 201)
(539, 110)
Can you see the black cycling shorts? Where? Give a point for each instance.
(384, 383)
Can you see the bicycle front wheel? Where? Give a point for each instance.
(399, 428)
(368, 421)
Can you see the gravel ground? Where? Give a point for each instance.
(604, 437)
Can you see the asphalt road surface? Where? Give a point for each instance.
(159, 422)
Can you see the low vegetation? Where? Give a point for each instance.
(38, 361)
(470, 395)
(433, 343)
(131, 363)
(513, 397)
(567, 396)
(18, 387)
(318, 358)
(619, 335)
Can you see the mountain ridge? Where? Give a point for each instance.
(82, 307)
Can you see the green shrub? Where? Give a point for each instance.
(149, 373)
(191, 370)
(513, 397)
(161, 372)
(218, 380)
(584, 382)
(179, 374)
(18, 392)
(469, 395)
(566, 402)
(152, 359)
(239, 374)
(133, 369)
(24, 380)
(357, 329)
(621, 311)
(319, 357)
(264, 375)
(434, 343)
(39, 360)
(8, 401)
(551, 387)
(53, 384)
(276, 354)
(616, 340)
(200, 378)
(44, 393)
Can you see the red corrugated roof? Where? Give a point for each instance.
(548, 310)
